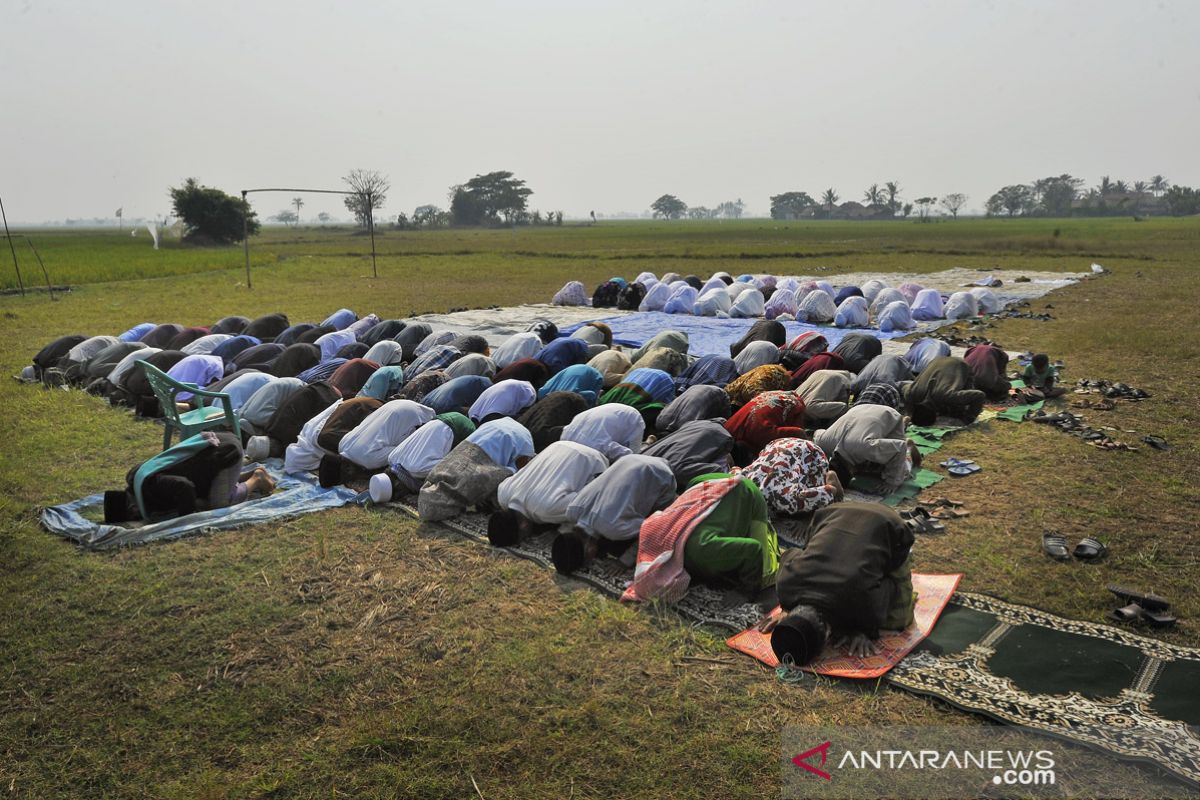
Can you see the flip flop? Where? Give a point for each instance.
(1090, 549)
(1131, 614)
(1157, 442)
(963, 470)
(1146, 600)
(925, 524)
(1055, 546)
(1158, 619)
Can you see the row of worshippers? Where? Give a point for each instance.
(456, 459)
(785, 298)
(455, 370)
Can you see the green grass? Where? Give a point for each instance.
(355, 653)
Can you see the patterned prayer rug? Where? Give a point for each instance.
(1085, 682)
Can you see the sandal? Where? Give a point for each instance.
(1090, 549)
(1157, 442)
(1055, 546)
(924, 524)
(1131, 614)
(963, 470)
(1148, 601)
(1159, 619)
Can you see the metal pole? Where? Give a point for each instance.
(246, 236)
(45, 274)
(12, 247)
(371, 225)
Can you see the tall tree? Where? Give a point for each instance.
(1014, 199)
(829, 199)
(954, 202)
(489, 199)
(668, 207)
(1159, 184)
(369, 194)
(1055, 195)
(731, 209)
(893, 196)
(211, 216)
(1139, 187)
(924, 204)
(873, 196)
(790, 205)
(298, 202)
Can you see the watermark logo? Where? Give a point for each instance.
(953, 762)
(801, 760)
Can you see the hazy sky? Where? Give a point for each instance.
(598, 105)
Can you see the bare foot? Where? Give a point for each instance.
(839, 491)
(260, 483)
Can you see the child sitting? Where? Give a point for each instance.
(1041, 376)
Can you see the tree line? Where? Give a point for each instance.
(1064, 196)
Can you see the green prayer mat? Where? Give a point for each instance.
(870, 484)
(1089, 683)
(1017, 413)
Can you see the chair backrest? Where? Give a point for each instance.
(165, 388)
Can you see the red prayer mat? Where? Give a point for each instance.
(933, 593)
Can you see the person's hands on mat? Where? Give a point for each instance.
(860, 645)
(768, 624)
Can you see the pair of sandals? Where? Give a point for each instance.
(960, 467)
(1089, 549)
(919, 520)
(1142, 608)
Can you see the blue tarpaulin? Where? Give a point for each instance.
(710, 335)
(294, 495)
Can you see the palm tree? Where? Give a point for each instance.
(1121, 187)
(1139, 187)
(829, 198)
(1105, 186)
(297, 202)
(1158, 184)
(893, 192)
(873, 195)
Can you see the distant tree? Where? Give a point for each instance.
(907, 210)
(954, 202)
(668, 207)
(298, 202)
(210, 215)
(893, 196)
(403, 222)
(537, 217)
(1105, 186)
(731, 209)
(924, 204)
(287, 217)
(1139, 187)
(699, 212)
(1182, 201)
(1121, 187)
(323, 217)
(429, 216)
(874, 196)
(1054, 196)
(829, 199)
(1159, 184)
(489, 200)
(790, 205)
(1014, 199)
(369, 194)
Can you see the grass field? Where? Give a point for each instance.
(357, 654)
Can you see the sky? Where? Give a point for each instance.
(599, 106)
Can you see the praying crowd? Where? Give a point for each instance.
(786, 299)
(674, 464)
